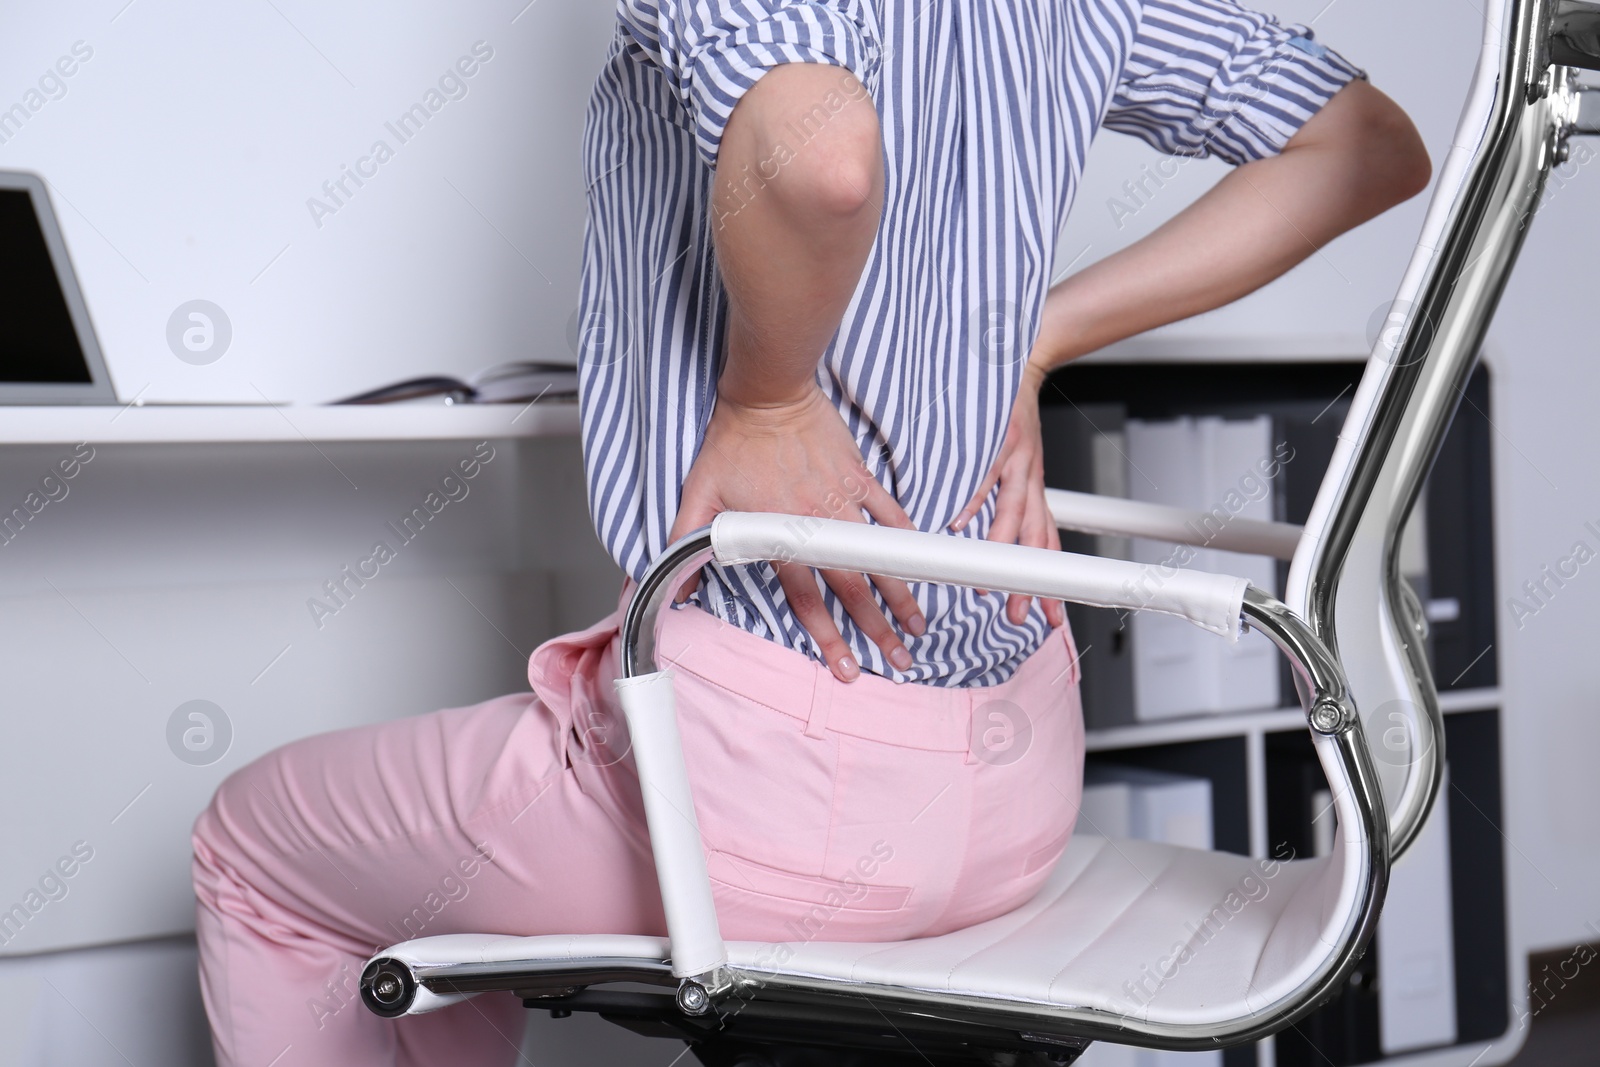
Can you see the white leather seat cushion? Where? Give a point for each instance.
(1147, 931)
(1209, 936)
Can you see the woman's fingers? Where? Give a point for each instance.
(968, 513)
(855, 596)
(1009, 510)
(902, 604)
(694, 511)
(805, 600)
(1054, 610)
(1014, 493)
(886, 511)
(883, 507)
(1037, 530)
(1022, 518)
(1011, 506)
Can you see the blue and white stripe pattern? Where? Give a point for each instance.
(988, 108)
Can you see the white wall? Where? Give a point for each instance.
(185, 149)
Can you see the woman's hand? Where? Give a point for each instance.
(1020, 515)
(798, 458)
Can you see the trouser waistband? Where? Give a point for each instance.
(908, 714)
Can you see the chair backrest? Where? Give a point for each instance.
(1345, 579)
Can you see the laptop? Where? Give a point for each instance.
(48, 350)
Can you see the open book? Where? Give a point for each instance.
(517, 382)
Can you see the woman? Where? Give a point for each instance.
(817, 280)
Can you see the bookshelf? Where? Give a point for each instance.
(1439, 1007)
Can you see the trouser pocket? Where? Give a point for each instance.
(769, 903)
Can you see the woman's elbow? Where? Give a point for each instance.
(1401, 159)
(1388, 155)
(817, 143)
(1376, 155)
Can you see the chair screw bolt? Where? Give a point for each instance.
(386, 989)
(1327, 717)
(693, 998)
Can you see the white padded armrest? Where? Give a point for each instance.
(651, 711)
(1210, 601)
(1096, 514)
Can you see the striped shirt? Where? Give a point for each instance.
(987, 109)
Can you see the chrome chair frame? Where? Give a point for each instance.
(1346, 609)
(1331, 714)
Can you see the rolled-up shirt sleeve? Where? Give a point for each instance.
(713, 51)
(1211, 78)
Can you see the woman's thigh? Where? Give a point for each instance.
(465, 820)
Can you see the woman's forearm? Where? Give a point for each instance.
(795, 206)
(1354, 159)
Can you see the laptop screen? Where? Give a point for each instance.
(38, 343)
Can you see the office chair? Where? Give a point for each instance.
(1092, 957)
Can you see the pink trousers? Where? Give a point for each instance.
(868, 811)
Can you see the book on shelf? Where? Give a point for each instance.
(1084, 447)
(1121, 801)
(1225, 469)
(1416, 943)
(521, 381)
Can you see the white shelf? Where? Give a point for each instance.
(154, 424)
(1469, 700)
(1238, 724)
(1222, 348)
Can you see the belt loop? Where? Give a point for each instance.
(821, 701)
(1074, 663)
(965, 707)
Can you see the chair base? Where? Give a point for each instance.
(844, 1034)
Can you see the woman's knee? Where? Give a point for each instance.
(231, 812)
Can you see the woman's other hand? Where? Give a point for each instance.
(1020, 516)
(798, 458)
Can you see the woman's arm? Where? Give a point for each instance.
(1354, 159)
(793, 223)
